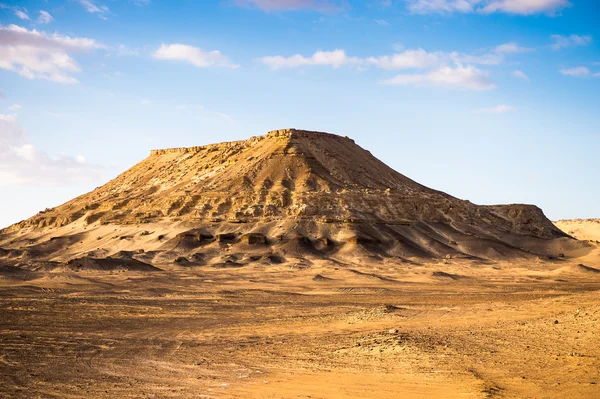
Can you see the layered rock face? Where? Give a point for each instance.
(319, 193)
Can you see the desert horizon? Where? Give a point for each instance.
(299, 199)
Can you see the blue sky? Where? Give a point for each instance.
(495, 101)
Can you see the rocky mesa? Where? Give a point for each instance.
(290, 194)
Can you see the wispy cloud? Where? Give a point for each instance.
(193, 55)
(561, 41)
(226, 117)
(441, 6)
(382, 22)
(322, 6)
(520, 75)
(45, 17)
(518, 7)
(93, 8)
(37, 55)
(498, 109)
(576, 72)
(22, 14)
(123, 50)
(460, 77)
(511, 48)
(21, 163)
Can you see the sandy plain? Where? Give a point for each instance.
(440, 329)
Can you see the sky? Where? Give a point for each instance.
(494, 101)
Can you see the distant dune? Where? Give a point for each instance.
(582, 229)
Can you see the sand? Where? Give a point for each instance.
(439, 330)
(582, 229)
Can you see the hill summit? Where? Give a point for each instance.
(288, 193)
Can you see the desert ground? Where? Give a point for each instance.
(437, 329)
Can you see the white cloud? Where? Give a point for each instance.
(498, 109)
(21, 163)
(335, 59)
(460, 77)
(45, 17)
(407, 59)
(403, 59)
(382, 22)
(22, 14)
(520, 7)
(453, 69)
(193, 55)
(511, 48)
(323, 6)
(570, 41)
(526, 7)
(520, 75)
(93, 8)
(14, 107)
(36, 55)
(577, 72)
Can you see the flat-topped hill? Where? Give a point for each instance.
(292, 191)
